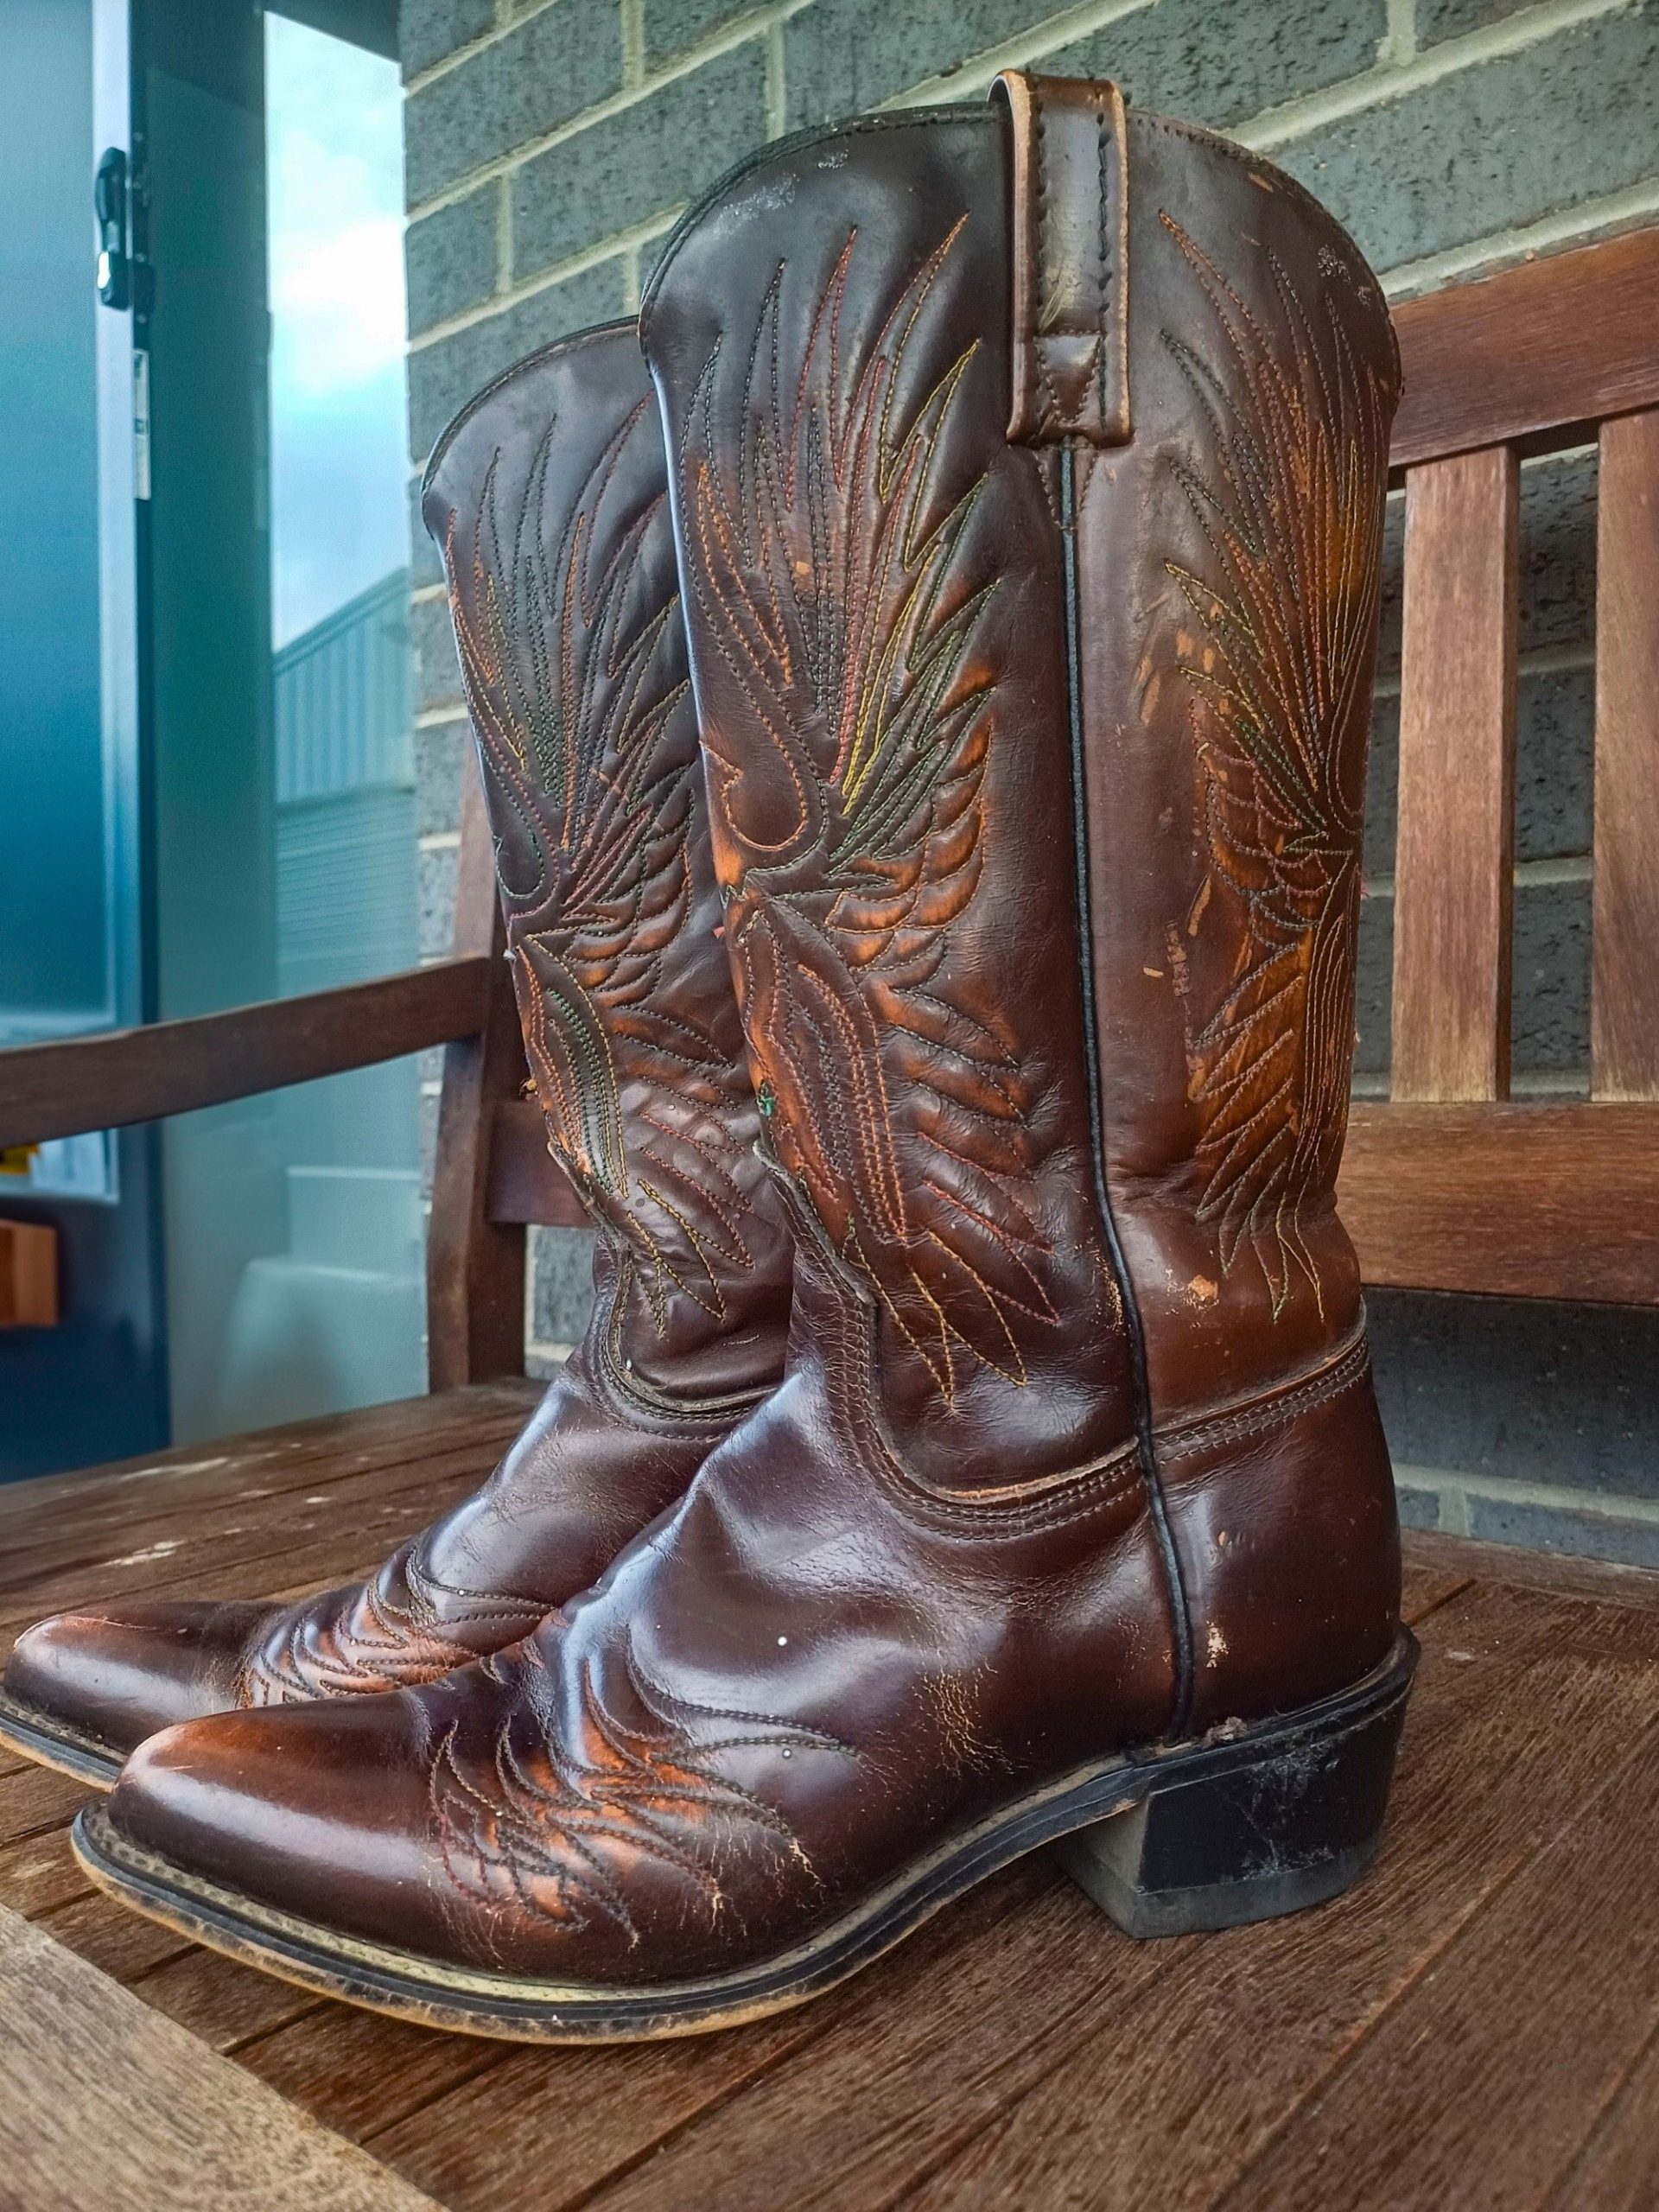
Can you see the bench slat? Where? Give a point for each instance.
(526, 1183)
(1516, 1200)
(1455, 857)
(1534, 356)
(1624, 988)
(109, 1081)
(474, 1265)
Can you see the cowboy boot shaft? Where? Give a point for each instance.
(549, 496)
(1030, 468)
(1223, 510)
(549, 501)
(876, 599)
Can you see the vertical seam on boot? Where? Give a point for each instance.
(1148, 1443)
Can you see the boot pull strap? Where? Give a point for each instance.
(1070, 352)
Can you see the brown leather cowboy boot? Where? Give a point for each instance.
(549, 498)
(1033, 598)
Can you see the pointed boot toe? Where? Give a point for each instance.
(84, 1689)
(270, 1805)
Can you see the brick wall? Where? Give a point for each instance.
(552, 145)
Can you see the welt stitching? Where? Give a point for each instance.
(1038, 339)
(1101, 140)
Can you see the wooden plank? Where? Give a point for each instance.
(1519, 1201)
(1455, 861)
(63, 1537)
(38, 1874)
(174, 1067)
(526, 1184)
(363, 2072)
(235, 1458)
(1535, 354)
(359, 1515)
(103, 2104)
(222, 2003)
(475, 1266)
(1175, 2094)
(38, 1799)
(478, 2147)
(1624, 966)
(1615, 2170)
(1483, 2083)
(118, 1941)
(1602, 1582)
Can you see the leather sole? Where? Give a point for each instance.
(1251, 1822)
(51, 1742)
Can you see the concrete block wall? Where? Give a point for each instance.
(552, 144)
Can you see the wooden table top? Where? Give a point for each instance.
(1475, 2026)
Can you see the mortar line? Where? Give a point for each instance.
(976, 73)
(1289, 119)
(1400, 43)
(1588, 218)
(1296, 118)
(777, 88)
(633, 33)
(1505, 1489)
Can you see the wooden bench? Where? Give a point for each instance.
(1450, 1185)
(1475, 2024)
(1446, 1186)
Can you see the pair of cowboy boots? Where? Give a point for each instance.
(1015, 476)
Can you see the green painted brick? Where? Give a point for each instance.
(1500, 144)
(1444, 19)
(561, 1284)
(437, 670)
(440, 752)
(1519, 1390)
(673, 26)
(451, 258)
(514, 90)
(437, 896)
(840, 56)
(1212, 65)
(431, 30)
(444, 377)
(1217, 65)
(650, 157)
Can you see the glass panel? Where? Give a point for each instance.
(306, 1292)
(296, 1223)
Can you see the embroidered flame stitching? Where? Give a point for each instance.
(535, 1827)
(570, 654)
(1291, 509)
(832, 568)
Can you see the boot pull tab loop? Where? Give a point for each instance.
(1070, 350)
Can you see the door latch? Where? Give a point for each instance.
(109, 204)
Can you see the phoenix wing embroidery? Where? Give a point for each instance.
(830, 555)
(572, 655)
(1291, 508)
